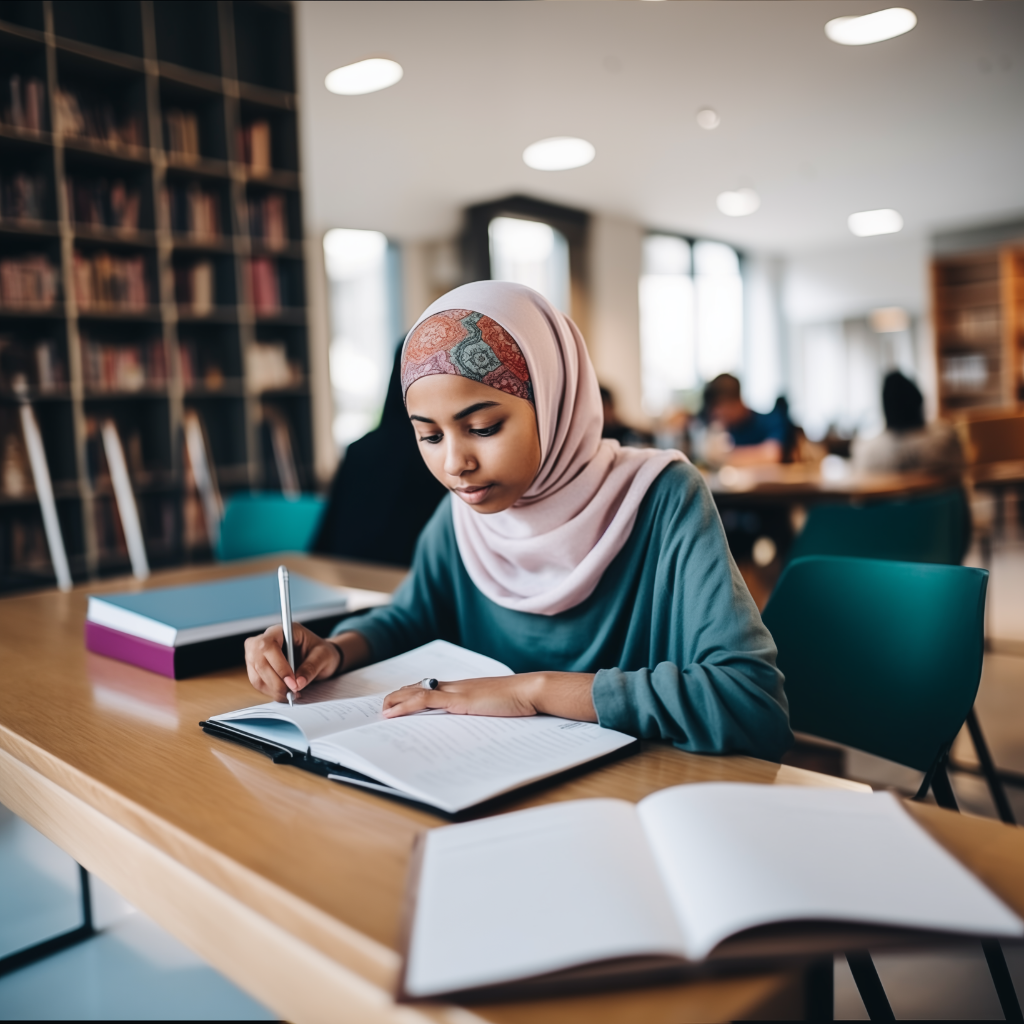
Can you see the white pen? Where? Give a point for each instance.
(286, 622)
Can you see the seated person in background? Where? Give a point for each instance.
(615, 429)
(599, 574)
(382, 494)
(907, 443)
(757, 437)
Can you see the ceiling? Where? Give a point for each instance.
(930, 123)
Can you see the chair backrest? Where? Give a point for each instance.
(879, 655)
(932, 529)
(990, 439)
(258, 524)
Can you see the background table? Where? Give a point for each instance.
(288, 884)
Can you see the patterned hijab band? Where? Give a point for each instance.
(467, 344)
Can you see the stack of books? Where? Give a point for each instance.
(188, 630)
(28, 282)
(107, 282)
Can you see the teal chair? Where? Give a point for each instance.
(885, 657)
(258, 524)
(932, 529)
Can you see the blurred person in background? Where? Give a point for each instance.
(615, 429)
(907, 443)
(736, 435)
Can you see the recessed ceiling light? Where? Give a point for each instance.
(740, 203)
(708, 118)
(870, 28)
(364, 76)
(875, 222)
(558, 154)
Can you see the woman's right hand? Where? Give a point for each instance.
(268, 667)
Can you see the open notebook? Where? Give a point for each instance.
(450, 762)
(694, 878)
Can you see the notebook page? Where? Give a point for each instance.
(734, 856)
(456, 761)
(355, 698)
(535, 891)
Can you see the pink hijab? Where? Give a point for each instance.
(548, 552)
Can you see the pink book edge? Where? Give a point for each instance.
(136, 651)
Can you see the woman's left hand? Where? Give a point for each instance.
(565, 694)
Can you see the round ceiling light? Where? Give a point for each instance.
(364, 76)
(870, 28)
(561, 153)
(740, 203)
(708, 119)
(875, 222)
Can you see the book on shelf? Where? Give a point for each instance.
(284, 453)
(15, 471)
(27, 551)
(199, 367)
(119, 367)
(25, 103)
(188, 630)
(268, 368)
(182, 133)
(693, 880)
(254, 147)
(195, 287)
(103, 202)
(79, 113)
(268, 219)
(201, 475)
(336, 729)
(26, 366)
(104, 281)
(192, 210)
(265, 285)
(28, 282)
(22, 196)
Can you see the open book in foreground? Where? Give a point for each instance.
(450, 762)
(693, 879)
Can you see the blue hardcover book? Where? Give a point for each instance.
(186, 630)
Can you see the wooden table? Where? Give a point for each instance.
(290, 885)
(804, 483)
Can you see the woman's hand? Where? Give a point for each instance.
(566, 694)
(268, 668)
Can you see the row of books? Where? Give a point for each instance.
(254, 147)
(193, 210)
(22, 196)
(268, 219)
(25, 103)
(28, 283)
(124, 367)
(195, 287)
(182, 133)
(103, 202)
(26, 367)
(106, 282)
(94, 117)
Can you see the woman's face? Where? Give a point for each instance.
(481, 443)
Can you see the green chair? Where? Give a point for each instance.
(932, 529)
(258, 524)
(886, 657)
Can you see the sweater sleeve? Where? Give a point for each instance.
(711, 685)
(421, 609)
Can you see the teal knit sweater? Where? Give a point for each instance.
(671, 631)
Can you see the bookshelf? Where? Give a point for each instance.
(978, 306)
(151, 267)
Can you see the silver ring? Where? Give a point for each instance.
(428, 684)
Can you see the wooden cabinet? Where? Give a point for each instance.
(978, 306)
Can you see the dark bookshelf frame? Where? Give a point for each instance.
(149, 55)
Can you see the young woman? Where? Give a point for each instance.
(599, 574)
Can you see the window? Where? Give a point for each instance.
(362, 292)
(691, 317)
(532, 253)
